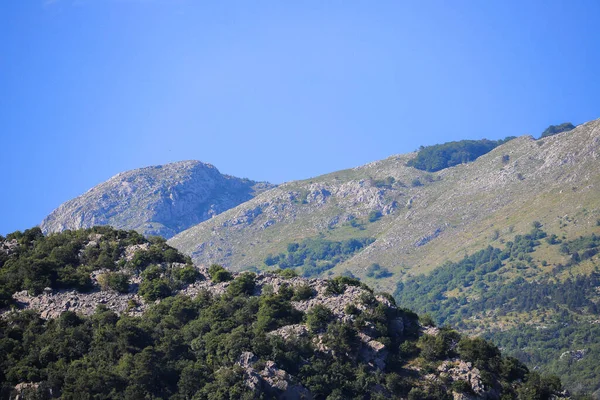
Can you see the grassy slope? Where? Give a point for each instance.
(554, 181)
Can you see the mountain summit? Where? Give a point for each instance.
(159, 200)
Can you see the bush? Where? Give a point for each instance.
(244, 284)
(555, 129)
(188, 274)
(426, 320)
(367, 299)
(275, 311)
(374, 215)
(351, 309)
(338, 285)
(318, 317)
(440, 346)
(219, 274)
(114, 280)
(376, 271)
(303, 292)
(461, 387)
(152, 290)
(287, 273)
(440, 156)
(477, 349)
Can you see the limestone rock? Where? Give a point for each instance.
(160, 200)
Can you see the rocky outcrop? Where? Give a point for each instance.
(372, 352)
(160, 200)
(271, 379)
(51, 304)
(459, 370)
(8, 246)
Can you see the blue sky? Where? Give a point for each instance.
(273, 90)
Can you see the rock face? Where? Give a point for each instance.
(271, 379)
(160, 200)
(459, 370)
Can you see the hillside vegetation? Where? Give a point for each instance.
(547, 314)
(233, 336)
(555, 129)
(418, 219)
(33, 262)
(441, 156)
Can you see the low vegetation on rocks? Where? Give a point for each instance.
(240, 336)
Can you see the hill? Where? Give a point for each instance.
(413, 220)
(205, 333)
(160, 200)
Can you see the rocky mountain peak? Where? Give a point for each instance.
(157, 200)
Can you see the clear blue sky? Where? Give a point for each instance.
(273, 90)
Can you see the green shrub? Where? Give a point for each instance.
(367, 299)
(477, 349)
(219, 274)
(244, 284)
(351, 309)
(152, 290)
(303, 292)
(426, 320)
(287, 273)
(555, 129)
(338, 285)
(440, 156)
(378, 272)
(275, 311)
(461, 387)
(374, 215)
(318, 317)
(188, 274)
(114, 280)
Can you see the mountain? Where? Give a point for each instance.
(160, 200)
(108, 314)
(410, 221)
(504, 245)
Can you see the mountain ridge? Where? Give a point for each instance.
(457, 208)
(156, 200)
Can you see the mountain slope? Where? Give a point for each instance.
(160, 200)
(125, 317)
(418, 219)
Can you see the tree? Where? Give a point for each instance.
(219, 274)
(318, 317)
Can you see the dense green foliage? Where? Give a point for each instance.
(184, 348)
(65, 260)
(316, 255)
(440, 156)
(188, 348)
(554, 129)
(485, 285)
(219, 274)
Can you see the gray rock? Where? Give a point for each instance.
(160, 200)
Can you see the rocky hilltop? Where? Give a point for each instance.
(159, 200)
(417, 219)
